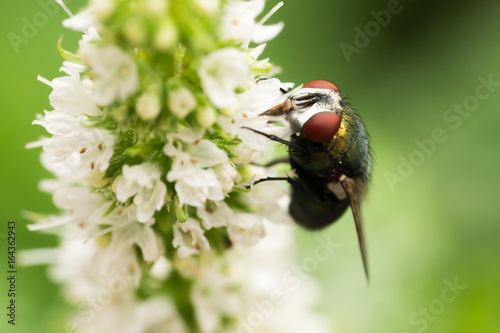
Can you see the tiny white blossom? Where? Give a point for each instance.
(246, 229)
(74, 150)
(126, 232)
(82, 21)
(161, 268)
(148, 106)
(116, 72)
(72, 264)
(70, 95)
(194, 183)
(219, 217)
(166, 35)
(226, 175)
(259, 98)
(221, 72)
(181, 101)
(102, 9)
(244, 154)
(239, 22)
(210, 7)
(189, 238)
(84, 208)
(213, 300)
(239, 125)
(206, 116)
(143, 182)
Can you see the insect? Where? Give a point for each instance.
(330, 154)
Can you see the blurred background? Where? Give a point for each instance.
(425, 77)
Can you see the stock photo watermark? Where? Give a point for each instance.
(363, 37)
(291, 281)
(32, 24)
(11, 272)
(421, 318)
(452, 117)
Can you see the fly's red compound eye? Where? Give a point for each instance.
(321, 127)
(322, 84)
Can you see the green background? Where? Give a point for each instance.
(438, 222)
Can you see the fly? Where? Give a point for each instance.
(330, 154)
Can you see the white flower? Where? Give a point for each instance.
(226, 174)
(213, 298)
(82, 21)
(143, 182)
(221, 72)
(115, 71)
(148, 106)
(74, 150)
(72, 264)
(219, 217)
(239, 22)
(271, 197)
(161, 268)
(166, 35)
(69, 94)
(246, 229)
(181, 101)
(102, 9)
(126, 232)
(206, 116)
(260, 97)
(194, 184)
(210, 7)
(244, 154)
(189, 238)
(243, 228)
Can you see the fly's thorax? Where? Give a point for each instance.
(347, 152)
(317, 160)
(349, 147)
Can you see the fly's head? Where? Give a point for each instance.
(316, 111)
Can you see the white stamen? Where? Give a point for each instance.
(53, 224)
(271, 12)
(44, 80)
(66, 9)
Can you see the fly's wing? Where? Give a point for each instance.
(355, 191)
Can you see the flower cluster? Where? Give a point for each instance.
(151, 153)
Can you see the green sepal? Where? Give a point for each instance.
(111, 208)
(68, 56)
(115, 165)
(180, 212)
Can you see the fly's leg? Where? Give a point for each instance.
(303, 100)
(278, 139)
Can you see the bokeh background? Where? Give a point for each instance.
(432, 216)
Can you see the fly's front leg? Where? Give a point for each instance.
(277, 139)
(267, 179)
(303, 100)
(298, 101)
